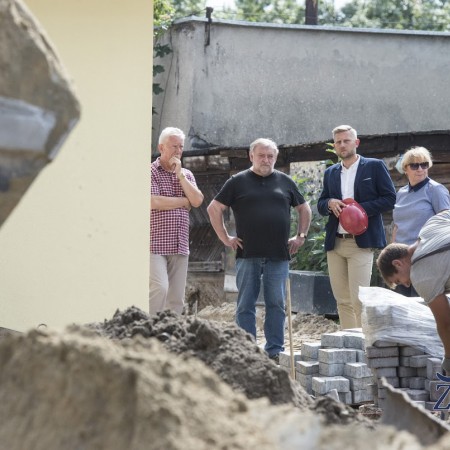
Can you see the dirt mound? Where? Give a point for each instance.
(224, 347)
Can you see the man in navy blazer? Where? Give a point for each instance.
(350, 258)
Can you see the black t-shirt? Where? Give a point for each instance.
(262, 211)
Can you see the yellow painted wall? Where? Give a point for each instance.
(76, 247)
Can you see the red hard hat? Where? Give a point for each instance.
(353, 217)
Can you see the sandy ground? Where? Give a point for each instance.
(170, 382)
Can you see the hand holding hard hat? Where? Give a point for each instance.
(353, 218)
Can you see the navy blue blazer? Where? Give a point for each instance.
(373, 190)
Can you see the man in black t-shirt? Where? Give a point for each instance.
(261, 199)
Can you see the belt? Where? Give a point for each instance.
(345, 236)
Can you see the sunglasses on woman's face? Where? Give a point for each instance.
(415, 166)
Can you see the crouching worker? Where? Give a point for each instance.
(425, 265)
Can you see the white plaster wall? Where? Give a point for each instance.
(76, 247)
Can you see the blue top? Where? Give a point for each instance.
(415, 205)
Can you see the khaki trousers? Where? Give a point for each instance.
(349, 267)
(167, 282)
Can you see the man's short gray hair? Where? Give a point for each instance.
(170, 131)
(342, 128)
(263, 142)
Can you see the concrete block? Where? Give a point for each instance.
(357, 370)
(433, 366)
(311, 349)
(311, 293)
(407, 371)
(307, 367)
(382, 344)
(383, 362)
(363, 395)
(405, 361)
(422, 372)
(331, 370)
(393, 381)
(418, 394)
(361, 356)
(357, 384)
(346, 397)
(427, 384)
(404, 382)
(410, 351)
(333, 340)
(337, 355)
(418, 361)
(354, 341)
(429, 406)
(305, 381)
(285, 358)
(384, 352)
(417, 383)
(322, 385)
(385, 372)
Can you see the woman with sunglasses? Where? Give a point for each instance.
(416, 202)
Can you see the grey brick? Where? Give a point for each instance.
(381, 344)
(357, 370)
(322, 385)
(361, 356)
(311, 349)
(417, 383)
(357, 384)
(410, 351)
(354, 341)
(333, 340)
(406, 371)
(384, 352)
(383, 362)
(422, 372)
(285, 358)
(418, 394)
(433, 366)
(305, 381)
(331, 370)
(385, 372)
(404, 382)
(346, 397)
(418, 361)
(307, 367)
(363, 395)
(405, 361)
(337, 355)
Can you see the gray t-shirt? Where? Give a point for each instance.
(430, 274)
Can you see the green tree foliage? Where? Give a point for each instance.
(184, 8)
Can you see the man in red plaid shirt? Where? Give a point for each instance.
(173, 193)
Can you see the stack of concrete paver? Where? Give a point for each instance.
(341, 362)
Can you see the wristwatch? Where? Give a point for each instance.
(302, 235)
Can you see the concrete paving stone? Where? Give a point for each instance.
(307, 367)
(417, 383)
(357, 384)
(331, 370)
(285, 358)
(333, 340)
(410, 351)
(381, 344)
(346, 397)
(305, 381)
(322, 385)
(311, 349)
(385, 372)
(404, 382)
(384, 352)
(361, 356)
(354, 341)
(433, 366)
(393, 381)
(435, 391)
(422, 372)
(418, 361)
(375, 363)
(418, 394)
(363, 395)
(337, 355)
(407, 371)
(429, 406)
(306, 358)
(405, 361)
(427, 384)
(357, 370)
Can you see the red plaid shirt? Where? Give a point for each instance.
(169, 230)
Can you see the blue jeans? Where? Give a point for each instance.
(248, 280)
